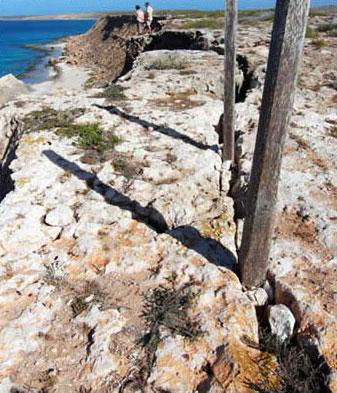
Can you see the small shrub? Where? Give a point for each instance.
(167, 61)
(164, 306)
(48, 118)
(310, 33)
(327, 27)
(333, 131)
(168, 306)
(267, 18)
(151, 75)
(297, 372)
(319, 43)
(90, 136)
(126, 167)
(113, 93)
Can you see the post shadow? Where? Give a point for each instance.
(187, 235)
(112, 109)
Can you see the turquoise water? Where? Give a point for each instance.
(17, 59)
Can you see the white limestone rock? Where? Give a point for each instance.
(61, 216)
(281, 321)
(10, 88)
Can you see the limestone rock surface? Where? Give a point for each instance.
(10, 88)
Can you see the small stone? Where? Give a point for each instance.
(281, 321)
(270, 291)
(59, 217)
(258, 296)
(261, 297)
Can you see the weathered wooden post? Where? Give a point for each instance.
(278, 97)
(229, 82)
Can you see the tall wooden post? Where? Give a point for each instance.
(229, 82)
(278, 98)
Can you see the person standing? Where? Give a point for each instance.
(148, 16)
(140, 19)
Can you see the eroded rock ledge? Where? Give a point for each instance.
(92, 244)
(91, 249)
(112, 45)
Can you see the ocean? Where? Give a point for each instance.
(27, 62)
(20, 40)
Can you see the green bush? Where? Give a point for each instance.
(113, 93)
(167, 61)
(310, 33)
(319, 43)
(90, 136)
(327, 27)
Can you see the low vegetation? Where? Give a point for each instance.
(48, 118)
(310, 33)
(89, 135)
(167, 61)
(318, 12)
(297, 371)
(207, 23)
(329, 28)
(319, 43)
(167, 307)
(192, 13)
(113, 93)
(127, 167)
(333, 131)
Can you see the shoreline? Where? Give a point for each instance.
(97, 15)
(38, 70)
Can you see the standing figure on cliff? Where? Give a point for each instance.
(148, 16)
(140, 19)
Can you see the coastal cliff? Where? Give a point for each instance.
(119, 224)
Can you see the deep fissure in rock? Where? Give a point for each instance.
(9, 155)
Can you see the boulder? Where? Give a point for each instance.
(10, 88)
(282, 321)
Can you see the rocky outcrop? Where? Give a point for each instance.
(118, 271)
(105, 48)
(10, 88)
(112, 45)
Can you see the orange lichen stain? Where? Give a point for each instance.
(239, 365)
(197, 262)
(218, 226)
(133, 226)
(98, 262)
(30, 139)
(87, 369)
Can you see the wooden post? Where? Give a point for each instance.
(278, 98)
(229, 81)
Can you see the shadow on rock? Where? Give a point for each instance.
(158, 128)
(187, 235)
